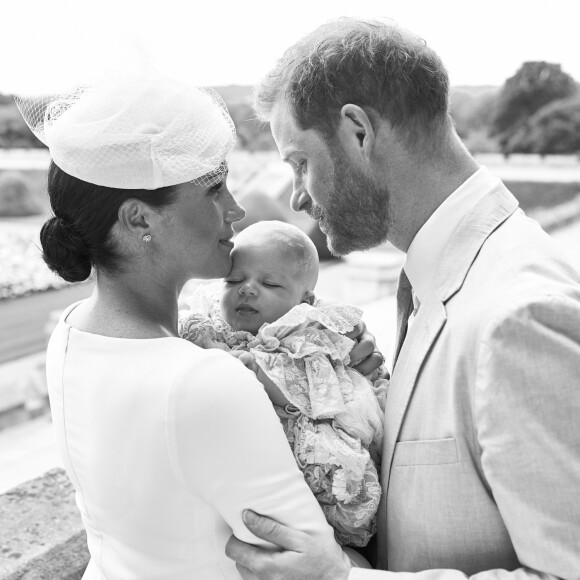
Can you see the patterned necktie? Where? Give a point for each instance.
(404, 310)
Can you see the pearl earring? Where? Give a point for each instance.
(147, 238)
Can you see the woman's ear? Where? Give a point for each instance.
(308, 297)
(356, 131)
(135, 217)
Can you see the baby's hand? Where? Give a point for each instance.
(247, 358)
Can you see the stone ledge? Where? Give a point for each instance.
(41, 535)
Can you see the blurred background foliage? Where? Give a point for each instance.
(537, 110)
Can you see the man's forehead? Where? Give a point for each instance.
(284, 126)
(289, 137)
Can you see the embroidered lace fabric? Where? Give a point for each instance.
(334, 422)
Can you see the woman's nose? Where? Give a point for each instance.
(234, 212)
(300, 200)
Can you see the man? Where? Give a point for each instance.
(481, 459)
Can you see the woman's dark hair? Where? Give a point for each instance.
(77, 237)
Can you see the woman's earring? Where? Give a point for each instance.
(147, 238)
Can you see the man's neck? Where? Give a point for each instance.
(421, 186)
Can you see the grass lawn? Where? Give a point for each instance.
(534, 195)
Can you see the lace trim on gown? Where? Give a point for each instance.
(334, 419)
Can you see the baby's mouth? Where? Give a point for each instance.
(245, 309)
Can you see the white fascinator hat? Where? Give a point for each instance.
(137, 133)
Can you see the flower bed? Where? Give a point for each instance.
(23, 271)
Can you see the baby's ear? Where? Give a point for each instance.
(308, 297)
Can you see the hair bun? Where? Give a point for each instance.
(64, 251)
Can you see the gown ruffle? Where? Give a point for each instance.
(334, 422)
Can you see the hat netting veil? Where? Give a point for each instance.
(135, 134)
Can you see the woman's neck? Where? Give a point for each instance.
(129, 307)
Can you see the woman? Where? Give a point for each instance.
(166, 444)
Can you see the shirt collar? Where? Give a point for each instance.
(429, 243)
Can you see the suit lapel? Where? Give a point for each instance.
(456, 261)
(418, 342)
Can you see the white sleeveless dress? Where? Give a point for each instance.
(166, 444)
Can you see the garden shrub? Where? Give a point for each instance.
(16, 198)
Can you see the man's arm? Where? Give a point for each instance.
(527, 404)
(301, 555)
(527, 408)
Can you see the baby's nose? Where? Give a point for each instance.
(247, 289)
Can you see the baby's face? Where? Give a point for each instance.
(265, 282)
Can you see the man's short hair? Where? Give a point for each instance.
(372, 64)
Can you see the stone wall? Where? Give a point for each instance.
(41, 534)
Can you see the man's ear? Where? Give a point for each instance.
(135, 217)
(356, 131)
(308, 297)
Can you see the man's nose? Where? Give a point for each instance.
(299, 199)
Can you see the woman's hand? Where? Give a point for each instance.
(364, 356)
(247, 359)
(273, 392)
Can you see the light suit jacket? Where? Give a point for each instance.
(481, 462)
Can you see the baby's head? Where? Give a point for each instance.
(274, 268)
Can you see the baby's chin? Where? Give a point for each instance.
(245, 325)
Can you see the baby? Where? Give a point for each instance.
(332, 416)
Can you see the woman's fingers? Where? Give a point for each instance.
(247, 358)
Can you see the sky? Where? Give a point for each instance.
(49, 45)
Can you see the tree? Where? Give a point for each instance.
(533, 86)
(554, 129)
(14, 132)
(16, 199)
(252, 135)
(472, 108)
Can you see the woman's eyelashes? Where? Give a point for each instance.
(214, 189)
(301, 166)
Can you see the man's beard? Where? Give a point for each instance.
(357, 213)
